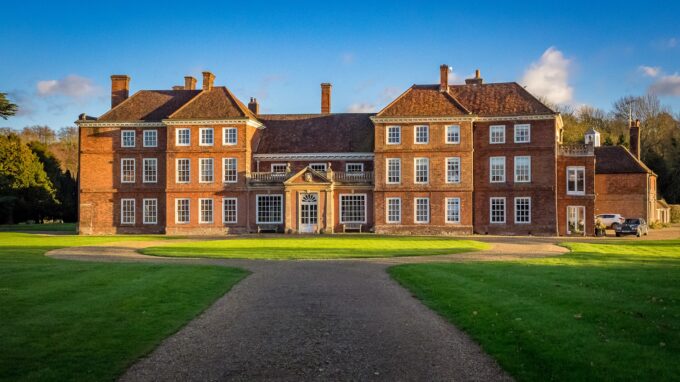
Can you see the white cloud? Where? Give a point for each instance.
(672, 42)
(361, 108)
(70, 86)
(347, 58)
(667, 85)
(650, 71)
(549, 77)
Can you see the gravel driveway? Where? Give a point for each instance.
(315, 320)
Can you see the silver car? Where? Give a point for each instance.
(610, 220)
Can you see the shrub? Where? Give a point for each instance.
(675, 213)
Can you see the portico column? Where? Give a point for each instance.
(330, 208)
(288, 210)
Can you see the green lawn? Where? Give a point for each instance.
(70, 320)
(51, 227)
(603, 312)
(318, 247)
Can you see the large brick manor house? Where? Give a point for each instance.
(439, 159)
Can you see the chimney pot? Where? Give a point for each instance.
(325, 98)
(444, 78)
(120, 89)
(208, 80)
(477, 74)
(178, 87)
(254, 106)
(477, 80)
(189, 83)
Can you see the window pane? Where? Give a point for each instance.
(206, 169)
(128, 138)
(523, 169)
(150, 138)
(127, 170)
(422, 213)
(497, 210)
(523, 210)
(183, 137)
(393, 210)
(453, 134)
(352, 208)
(452, 170)
(229, 210)
(127, 212)
(393, 134)
(206, 210)
(453, 210)
(422, 134)
(422, 170)
(182, 210)
(150, 170)
(497, 169)
(393, 170)
(269, 209)
(230, 171)
(229, 137)
(150, 211)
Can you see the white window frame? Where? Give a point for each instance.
(446, 173)
(491, 134)
(415, 134)
(387, 135)
(224, 170)
(225, 134)
(505, 209)
(415, 170)
(340, 209)
(518, 198)
(446, 210)
(134, 170)
(177, 135)
(122, 211)
(144, 174)
(415, 210)
(257, 208)
(200, 170)
(224, 215)
(519, 126)
(177, 160)
(152, 132)
(491, 174)
(200, 211)
(122, 138)
(456, 129)
(144, 215)
(516, 160)
(285, 167)
(387, 210)
(177, 221)
(576, 169)
(200, 136)
(325, 166)
(387, 170)
(347, 165)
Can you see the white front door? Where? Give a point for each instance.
(309, 203)
(576, 220)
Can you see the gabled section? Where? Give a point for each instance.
(215, 103)
(149, 106)
(498, 99)
(308, 176)
(618, 160)
(424, 101)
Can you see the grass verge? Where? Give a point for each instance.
(318, 247)
(607, 311)
(69, 320)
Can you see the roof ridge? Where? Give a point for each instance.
(378, 114)
(246, 112)
(533, 96)
(117, 106)
(455, 100)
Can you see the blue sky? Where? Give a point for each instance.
(57, 57)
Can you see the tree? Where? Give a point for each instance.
(27, 192)
(65, 206)
(7, 108)
(38, 133)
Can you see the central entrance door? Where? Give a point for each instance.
(309, 206)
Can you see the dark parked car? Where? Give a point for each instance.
(637, 227)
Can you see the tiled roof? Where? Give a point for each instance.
(149, 105)
(495, 99)
(216, 103)
(422, 101)
(618, 160)
(316, 133)
(506, 98)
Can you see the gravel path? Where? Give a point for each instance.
(316, 320)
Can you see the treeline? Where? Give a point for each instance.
(38, 167)
(660, 135)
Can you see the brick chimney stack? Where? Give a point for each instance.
(444, 78)
(120, 89)
(635, 138)
(325, 98)
(208, 80)
(475, 81)
(189, 83)
(254, 106)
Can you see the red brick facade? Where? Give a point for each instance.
(440, 159)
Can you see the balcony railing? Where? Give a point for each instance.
(577, 150)
(353, 177)
(340, 177)
(270, 177)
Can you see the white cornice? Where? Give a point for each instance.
(248, 121)
(420, 119)
(462, 118)
(314, 156)
(119, 124)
